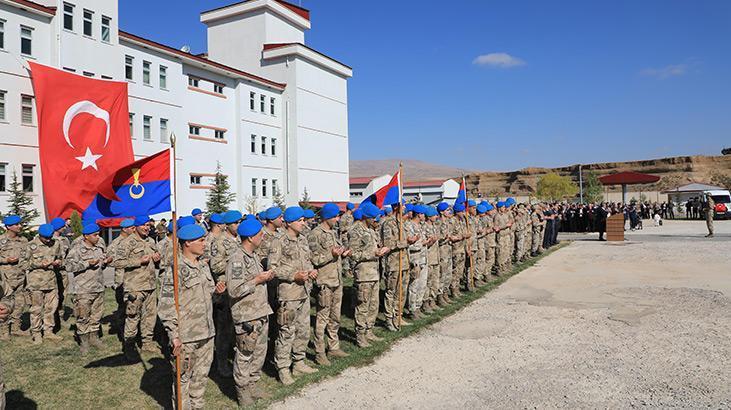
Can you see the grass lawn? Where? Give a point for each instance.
(56, 376)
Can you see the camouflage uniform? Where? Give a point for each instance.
(7, 299)
(266, 246)
(250, 311)
(41, 283)
(193, 326)
(330, 285)
(432, 260)
(390, 239)
(417, 263)
(118, 288)
(14, 277)
(459, 251)
(528, 234)
(490, 244)
(364, 243)
(165, 249)
(88, 285)
(520, 227)
(537, 225)
(444, 225)
(346, 222)
(481, 239)
(139, 284)
(504, 250)
(221, 250)
(287, 256)
(62, 275)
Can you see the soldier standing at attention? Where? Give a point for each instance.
(537, 225)
(272, 228)
(459, 249)
(12, 274)
(128, 228)
(390, 239)
(327, 252)
(41, 258)
(480, 238)
(217, 226)
(504, 250)
(250, 310)
(346, 221)
(6, 308)
(309, 221)
(432, 259)
(197, 214)
(364, 241)
(138, 256)
(86, 261)
(290, 259)
(191, 331)
(61, 275)
(417, 260)
(710, 206)
(444, 228)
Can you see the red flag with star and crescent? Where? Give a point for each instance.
(83, 136)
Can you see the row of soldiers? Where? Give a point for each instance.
(234, 272)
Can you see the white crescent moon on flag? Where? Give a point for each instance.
(84, 107)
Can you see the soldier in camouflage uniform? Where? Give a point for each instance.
(459, 249)
(6, 308)
(346, 221)
(432, 259)
(190, 329)
(250, 310)
(11, 272)
(290, 259)
(62, 276)
(537, 225)
(327, 252)
(490, 241)
(396, 250)
(272, 228)
(444, 227)
(520, 227)
(217, 227)
(364, 240)
(481, 239)
(417, 260)
(128, 229)
(504, 250)
(41, 258)
(138, 256)
(86, 261)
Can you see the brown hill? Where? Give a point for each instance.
(413, 169)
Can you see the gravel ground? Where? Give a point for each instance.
(595, 325)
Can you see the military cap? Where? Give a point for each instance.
(293, 213)
(501, 204)
(46, 230)
(409, 207)
(443, 206)
(196, 211)
(191, 232)
(471, 202)
(141, 220)
(232, 216)
(185, 220)
(370, 211)
(481, 209)
(387, 210)
(510, 201)
(248, 228)
(459, 208)
(127, 223)
(90, 229)
(358, 214)
(57, 223)
(329, 210)
(11, 220)
(349, 206)
(217, 218)
(272, 213)
(488, 207)
(309, 213)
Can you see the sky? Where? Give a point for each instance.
(503, 85)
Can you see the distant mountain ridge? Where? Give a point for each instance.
(412, 169)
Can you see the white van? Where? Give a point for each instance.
(721, 197)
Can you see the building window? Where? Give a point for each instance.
(193, 130)
(146, 72)
(195, 180)
(26, 109)
(146, 128)
(132, 125)
(218, 88)
(2, 105)
(3, 173)
(275, 187)
(193, 82)
(88, 18)
(26, 40)
(163, 77)
(253, 187)
(129, 67)
(274, 147)
(263, 145)
(28, 178)
(271, 105)
(106, 29)
(106, 77)
(264, 188)
(88, 74)
(252, 101)
(68, 16)
(164, 131)
(262, 102)
(2, 34)
(219, 134)
(253, 144)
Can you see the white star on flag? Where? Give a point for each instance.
(89, 160)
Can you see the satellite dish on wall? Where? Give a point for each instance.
(185, 49)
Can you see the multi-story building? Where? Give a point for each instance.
(270, 110)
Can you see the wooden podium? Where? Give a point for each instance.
(615, 228)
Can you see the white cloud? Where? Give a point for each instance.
(500, 60)
(672, 70)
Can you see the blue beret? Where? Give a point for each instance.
(501, 204)
(488, 207)
(293, 213)
(231, 217)
(443, 206)
(249, 228)
(309, 213)
(57, 223)
(272, 213)
(251, 216)
(387, 210)
(329, 210)
(46, 230)
(170, 226)
(409, 207)
(127, 223)
(191, 232)
(11, 220)
(217, 218)
(481, 209)
(510, 201)
(471, 202)
(370, 211)
(459, 208)
(349, 206)
(185, 221)
(141, 220)
(420, 209)
(90, 229)
(358, 214)
(196, 211)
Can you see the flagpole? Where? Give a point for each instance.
(178, 396)
(400, 238)
(471, 278)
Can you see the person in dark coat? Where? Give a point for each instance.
(600, 220)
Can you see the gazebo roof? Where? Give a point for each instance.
(628, 178)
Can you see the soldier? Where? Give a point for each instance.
(221, 251)
(86, 261)
(364, 242)
(12, 274)
(432, 258)
(504, 250)
(417, 260)
(128, 228)
(247, 290)
(190, 329)
(62, 276)
(537, 226)
(481, 240)
(197, 214)
(327, 253)
(346, 221)
(6, 308)
(309, 221)
(138, 256)
(459, 249)
(709, 207)
(471, 245)
(162, 229)
(216, 229)
(444, 226)
(397, 251)
(290, 259)
(41, 258)
(490, 241)
(520, 227)
(272, 228)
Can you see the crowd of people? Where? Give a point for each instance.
(235, 271)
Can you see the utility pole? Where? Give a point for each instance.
(581, 186)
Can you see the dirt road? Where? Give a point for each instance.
(595, 325)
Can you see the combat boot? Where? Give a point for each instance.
(372, 336)
(391, 327)
(362, 341)
(244, 397)
(322, 359)
(300, 368)
(94, 340)
(426, 307)
(52, 337)
(17, 331)
(37, 338)
(415, 315)
(5, 332)
(441, 302)
(150, 347)
(84, 344)
(337, 353)
(130, 351)
(257, 392)
(285, 377)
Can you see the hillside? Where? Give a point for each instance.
(413, 169)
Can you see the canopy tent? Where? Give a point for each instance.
(628, 178)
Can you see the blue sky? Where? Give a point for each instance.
(502, 85)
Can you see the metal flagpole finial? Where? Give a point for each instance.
(172, 139)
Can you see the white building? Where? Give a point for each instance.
(270, 110)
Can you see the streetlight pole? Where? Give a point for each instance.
(581, 186)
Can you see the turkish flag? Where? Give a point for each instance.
(83, 136)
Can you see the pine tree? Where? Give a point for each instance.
(278, 200)
(251, 205)
(21, 204)
(305, 201)
(220, 196)
(592, 188)
(76, 224)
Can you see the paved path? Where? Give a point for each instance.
(595, 325)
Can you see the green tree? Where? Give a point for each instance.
(76, 224)
(21, 204)
(305, 201)
(554, 187)
(592, 188)
(220, 195)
